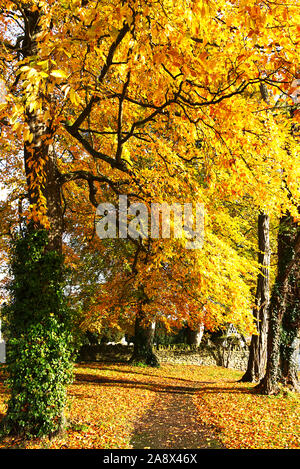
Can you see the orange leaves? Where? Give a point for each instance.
(110, 405)
(296, 116)
(247, 420)
(163, 101)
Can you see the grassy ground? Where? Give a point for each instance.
(118, 406)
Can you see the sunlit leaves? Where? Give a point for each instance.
(162, 99)
(107, 403)
(248, 420)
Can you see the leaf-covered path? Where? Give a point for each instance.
(117, 406)
(173, 422)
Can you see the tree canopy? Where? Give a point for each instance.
(161, 101)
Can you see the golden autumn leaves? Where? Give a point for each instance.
(161, 100)
(110, 405)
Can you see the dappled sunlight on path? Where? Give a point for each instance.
(173, 422)
(117, 406)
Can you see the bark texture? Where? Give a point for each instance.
(39, 156)
(284, 304)
(258, 346)
(143, 341)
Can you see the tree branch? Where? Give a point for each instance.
(120, 119)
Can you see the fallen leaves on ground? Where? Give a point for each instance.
(108, 402)
(247, 420)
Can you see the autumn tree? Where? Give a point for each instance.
(147, 99)
(282, 366)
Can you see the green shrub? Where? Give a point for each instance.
(39, 363)
(39, 341)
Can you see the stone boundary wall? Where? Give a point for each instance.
(236, 357)
(207, 356)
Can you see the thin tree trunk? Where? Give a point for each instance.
(258, 346)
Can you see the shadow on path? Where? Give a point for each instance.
(173, 423)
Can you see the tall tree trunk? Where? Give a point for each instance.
(43, 184)
(258, 346)
(289, 348)
(143, 341)
(281, 300)
(39, 356)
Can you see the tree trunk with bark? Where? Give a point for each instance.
(143, 341)
(194, 335)
(44, 319)
(40, 161)
(289, 348)
(258, 346)
(289, 356)
(281, 301)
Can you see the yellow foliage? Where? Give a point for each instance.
(161, 101)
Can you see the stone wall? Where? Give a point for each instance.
(236, 357)
(109, 353)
